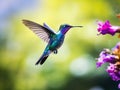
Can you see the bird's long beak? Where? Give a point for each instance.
(77, 26)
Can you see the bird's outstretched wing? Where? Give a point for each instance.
(41, 31)
(46, 26)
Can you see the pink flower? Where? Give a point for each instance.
(107, 28)
(113, 72)
(104, 57)
(113, 58)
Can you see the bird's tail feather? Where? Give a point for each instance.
(42, 59)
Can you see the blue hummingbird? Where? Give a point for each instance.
(54, 40)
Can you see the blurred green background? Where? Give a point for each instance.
(74, 67)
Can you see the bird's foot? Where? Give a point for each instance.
(55, 51)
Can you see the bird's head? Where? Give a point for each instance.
(65, 27)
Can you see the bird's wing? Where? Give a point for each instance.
(46, 26)
(41, 31)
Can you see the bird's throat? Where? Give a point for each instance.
(64, 30)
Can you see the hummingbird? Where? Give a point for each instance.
(54, 40)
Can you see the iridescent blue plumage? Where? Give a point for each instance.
(54, 40)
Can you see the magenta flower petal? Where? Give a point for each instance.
(113, 58)
(113, 72)
(100, 59)
(119, 85)
(106, 28)
(105, 57)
